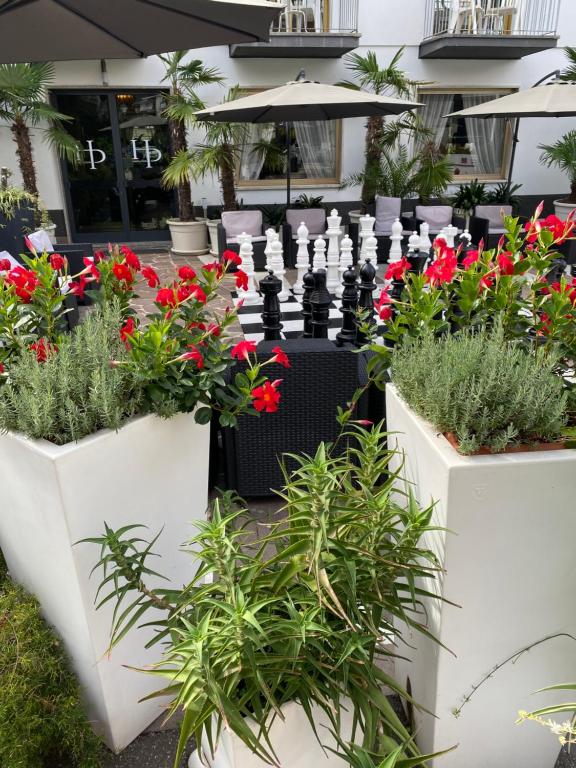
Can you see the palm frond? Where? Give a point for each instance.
(63, 142)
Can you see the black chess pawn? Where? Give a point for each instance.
(366, 298)
(308, 283)
(417, 260)
(270, 287)
(349, 306)
(320, 302)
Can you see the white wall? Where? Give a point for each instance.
(384, 25)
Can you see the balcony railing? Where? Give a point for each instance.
(502, 18)
(304, 17)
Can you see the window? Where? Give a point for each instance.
(314, 154)
(477, 148)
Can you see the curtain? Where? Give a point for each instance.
(486, 137)
(436, 106)
(317, 146)
(252, 161)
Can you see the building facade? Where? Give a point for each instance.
(463, 51)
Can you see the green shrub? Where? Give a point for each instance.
(488, 392)
(76, 391)
(42, 722)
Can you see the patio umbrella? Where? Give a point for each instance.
(556, 99)
(303, 100)
(62, 30)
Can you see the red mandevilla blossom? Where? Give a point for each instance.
(2, 369)
(90, 265)
(131, 259)
(488, 279)
(397, 269)
(505, 263)
(194, 355)
(214, 330)
(383, 307)
(241, 280)
(77, 287)
(443, 269)
(5, 265)
(186, 273)
(151, 276)
(280, 357)
(98, 257)
(123, 273)
(241, 350)
(25, 282)
(214, 266)
(43, 348)
(127, 331)
(266, 397)
(470, 258)
(199, 294)
(57, 262)
(232, 257)
(166, 297)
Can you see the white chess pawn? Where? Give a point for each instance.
(371, 249)
(414, 242)
(277, 267)
(250, 295)
(450, 233)
(271, 235)
(395, 241)
(333, 256)
(243, 238)
(302, 257)
(319, 261)
(346, 261)
(366, 230)
(466, 238)
(425, 242)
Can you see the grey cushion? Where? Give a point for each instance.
(258, 239)
(495, 215)
(237, 222)
(387, 211)
(437, 216)
(313, 218)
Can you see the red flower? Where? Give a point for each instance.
(183, 292)
(57, 262)
(166, 297)
(123, 273)
(383, 307)
(195, 355)
(488, 280)
(214, 266)
(243, 349)
(266, 397)
(214, 330)
(397, 269)
(2, 369)
(470, 258)
(232, 256)
(43, 348)
(443, 269)
(98, 257)
(77, 287)
(5, 265)
(151, 276)
(131, 259)
(280, 357)
(505, 263)
(186, 273)
(241, 280)
(29, 245)
(92, 268)
(25, 282)
(198, 294)
(127, 331)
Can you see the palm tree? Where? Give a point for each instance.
(562, 154)
(217, 155)
(569, 74)
(183, 102)
(24, 105)
(389, 80)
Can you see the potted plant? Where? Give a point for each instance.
(112, 417)
(562, 155)
(281, 631)
(468, 197)
(189, 234)
(18, 212)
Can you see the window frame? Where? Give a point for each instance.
(295, 183)
(496, 91)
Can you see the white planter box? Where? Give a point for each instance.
(153, 472)
(212, 225)
(293, 739)
(562, 209)
(189, 238)
(509, 563)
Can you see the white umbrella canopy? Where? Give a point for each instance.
(554, 100)
(305, 100)
(64, 30)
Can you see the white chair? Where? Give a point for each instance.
(498, 16)
(464, 16)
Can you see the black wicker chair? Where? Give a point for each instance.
(322, 377)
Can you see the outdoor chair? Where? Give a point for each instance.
(322, 377)
(315, 221)
(235, 223)
(494, 215)
(440, 216)
(385, 210)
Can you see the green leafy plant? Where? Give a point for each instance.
(12, 198)
(66, 394)
(42, 721)
(470, 195)
(300, 612)
(486, 392)
(433, 174)
(504, 194)
(562, 155)
(274, 214)
(308, 201)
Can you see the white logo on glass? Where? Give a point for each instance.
(151, 154)
(95, 155)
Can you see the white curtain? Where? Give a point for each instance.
(317, 145)
(486, 136)
(436, 106)
(252, 160)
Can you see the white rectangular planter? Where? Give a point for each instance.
(153, 472)
(509, 563)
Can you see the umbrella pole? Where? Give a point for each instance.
(288, 158)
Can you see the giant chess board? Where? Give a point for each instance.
(250, 318)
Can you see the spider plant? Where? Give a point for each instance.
(303, 611)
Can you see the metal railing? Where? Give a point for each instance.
(537, 18)
(302, 17)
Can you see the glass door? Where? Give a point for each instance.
(114, 192)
